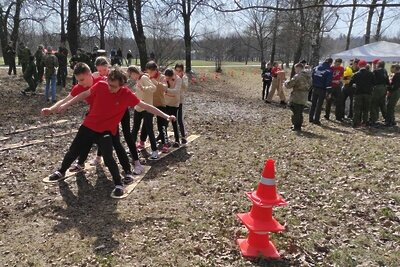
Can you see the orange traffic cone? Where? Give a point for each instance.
(256, 245)
(260, 220)
(266, 195)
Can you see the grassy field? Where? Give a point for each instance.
(341, 185)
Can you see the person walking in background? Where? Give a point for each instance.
(10, 54)
(129, 57)
(300, 83)
(336, 94)
(276, 85)
(30, 76)
(393, 96)
(363, 81)
(50, 64)
(62, 71)
(378, 98)
(24, 54)
(322, 83)
(267, 79)
(39, 55)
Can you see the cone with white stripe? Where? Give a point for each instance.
(266, 195)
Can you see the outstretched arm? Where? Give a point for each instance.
(54, 108)
(72, 101)
(155, 111)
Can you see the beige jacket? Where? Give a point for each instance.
(173, 94)
(144, 91)
(158, 96)
(184, 88)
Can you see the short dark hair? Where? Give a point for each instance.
(102, 61)
(133, 69)
(117, 74)
(339, 60)
(299, 65)
(151, 65)
(169, 72)
(381, 64)
(396, 67)
(179, 66)
(81, 68)
(329, 60)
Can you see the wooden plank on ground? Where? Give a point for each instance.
(37, 127)
(21, 145)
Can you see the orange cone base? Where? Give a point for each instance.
(276, 201)
(268, 251)
(260, 226)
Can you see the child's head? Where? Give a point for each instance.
(116, 79)
(83, 74)
(179, 69)
(102, 65)
(338, 62)
(134, 72)
(298, 67)
(169, 75)
(151, 68)
(275, 64)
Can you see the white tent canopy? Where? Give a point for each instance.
(382, 50)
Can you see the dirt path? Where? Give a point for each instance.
(341, 184)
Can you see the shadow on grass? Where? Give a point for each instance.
(263, 262)
(91, 212)
(337, 130)
(310, 135)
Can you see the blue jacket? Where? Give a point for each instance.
(322, 76)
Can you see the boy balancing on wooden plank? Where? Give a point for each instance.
(109, 101)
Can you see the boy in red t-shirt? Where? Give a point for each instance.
(336, 92)
(109, 101)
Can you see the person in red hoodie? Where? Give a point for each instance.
(336, 95)
(109, 101)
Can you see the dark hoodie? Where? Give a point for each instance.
(364, 81)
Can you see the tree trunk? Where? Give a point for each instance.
(4, 31)
(17, 20)
(353, 13)
(186, 9)
(63, 35)
(300, 42)
(135, 19)
(369, 22)
(102, 37)
(274, 34)
(73, 26)
(380, 20)
(316, 42)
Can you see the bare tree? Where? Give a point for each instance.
(353, 12)
(135, 19)
(73, 25)
(369, 21)
(380, 20)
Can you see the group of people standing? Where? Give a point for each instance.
(109, 100)
(368, 90)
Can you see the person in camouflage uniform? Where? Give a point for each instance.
(62, 71)
(10, 53)
(50, 63)
(30, 76)
(23, 56)
(393, 96)
(39, 54)
(300, 83)
(378, 98)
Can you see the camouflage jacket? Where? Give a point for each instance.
(300, 83)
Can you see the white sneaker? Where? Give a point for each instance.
(138, 168)
(96, 161)
(154, 155)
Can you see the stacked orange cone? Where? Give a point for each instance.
(259, 221)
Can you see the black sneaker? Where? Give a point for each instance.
(56, 176)
(176, 144)
(119, 191)
(317, 122)
(326, 117)
(184, 141)
(128, 179)
(283, 103)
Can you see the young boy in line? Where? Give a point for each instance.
(300, 83)
(144, 91)
(172, 99)
(109, 101)
(159, 102)
(180, 71)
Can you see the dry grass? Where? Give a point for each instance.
(341, 184)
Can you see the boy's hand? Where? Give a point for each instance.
(45, 111)
(171, 118)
